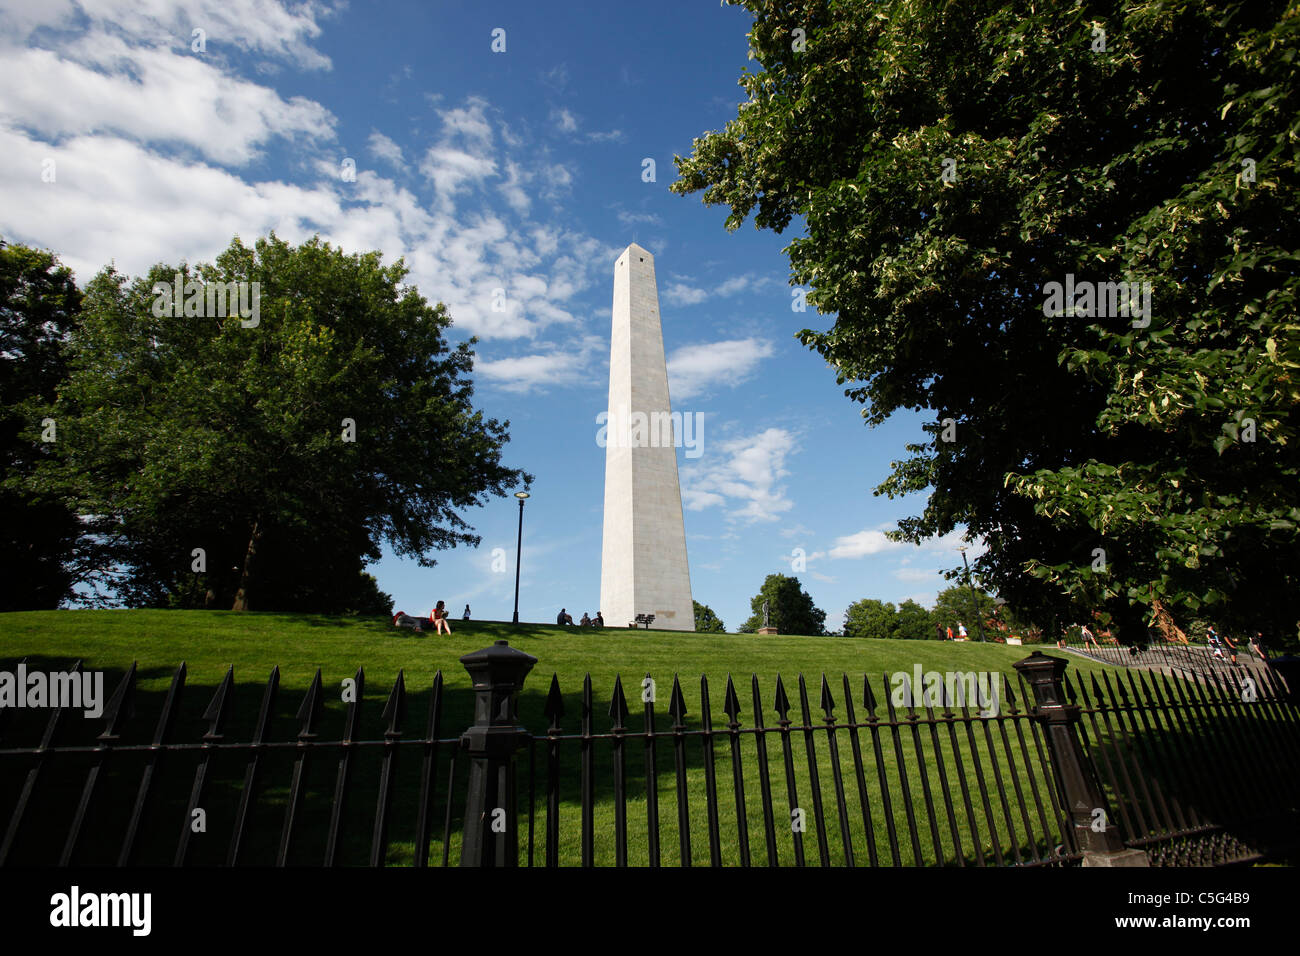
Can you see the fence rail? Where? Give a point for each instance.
(1138, 765)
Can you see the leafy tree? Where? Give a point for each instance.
(914, 622)
(263, 464)
(956, 605)
(870, 618)
(43, 547)
(947, 170)
(790, 608)
(706, 622)
(370, 601)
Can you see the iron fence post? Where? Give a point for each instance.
(1095, 834)
(491, 815)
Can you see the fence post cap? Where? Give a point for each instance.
(500, 653)
(1039, 663)
(498, 672)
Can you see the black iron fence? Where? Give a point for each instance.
(1195, 771)
(1136, 767)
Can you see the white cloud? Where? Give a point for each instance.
(564, 121)
(746, 283)
(383, 147)
(695, 499)
(613, 136)
(274, 30)
(681, 294)
(863, 543)
(628, 219)
(450, 169)
(536, 371)
(745, 478)
(694, 369)
(512, 189)
(468, 124)
(558, 179)
(141, 181)
(113, 200)
(151, 95)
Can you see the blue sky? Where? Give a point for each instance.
(522, 170)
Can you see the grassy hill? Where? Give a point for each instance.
(210, 642)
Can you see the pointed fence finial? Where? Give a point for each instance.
(827, 702)
(731, 706)
(677, 705)
(618, 705)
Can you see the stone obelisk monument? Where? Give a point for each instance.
(643, 567)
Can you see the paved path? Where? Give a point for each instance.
(1177, 660)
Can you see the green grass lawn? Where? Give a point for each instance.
(210, 642)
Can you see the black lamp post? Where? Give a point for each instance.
(979, 618)
(519, 549)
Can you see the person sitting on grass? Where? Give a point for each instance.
(598, 620)
(439, 617)
(586, 621)
(564, 617)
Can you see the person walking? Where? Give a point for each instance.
(439, 618)
(1232, 649)
(1088, 637)
(465, 616)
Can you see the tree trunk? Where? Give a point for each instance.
(245, 578)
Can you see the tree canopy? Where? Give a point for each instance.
(261, 459)
(950, 169)
(957, 605)
(790, 608)
(706, 621)
(871, 618)
(44, 550)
